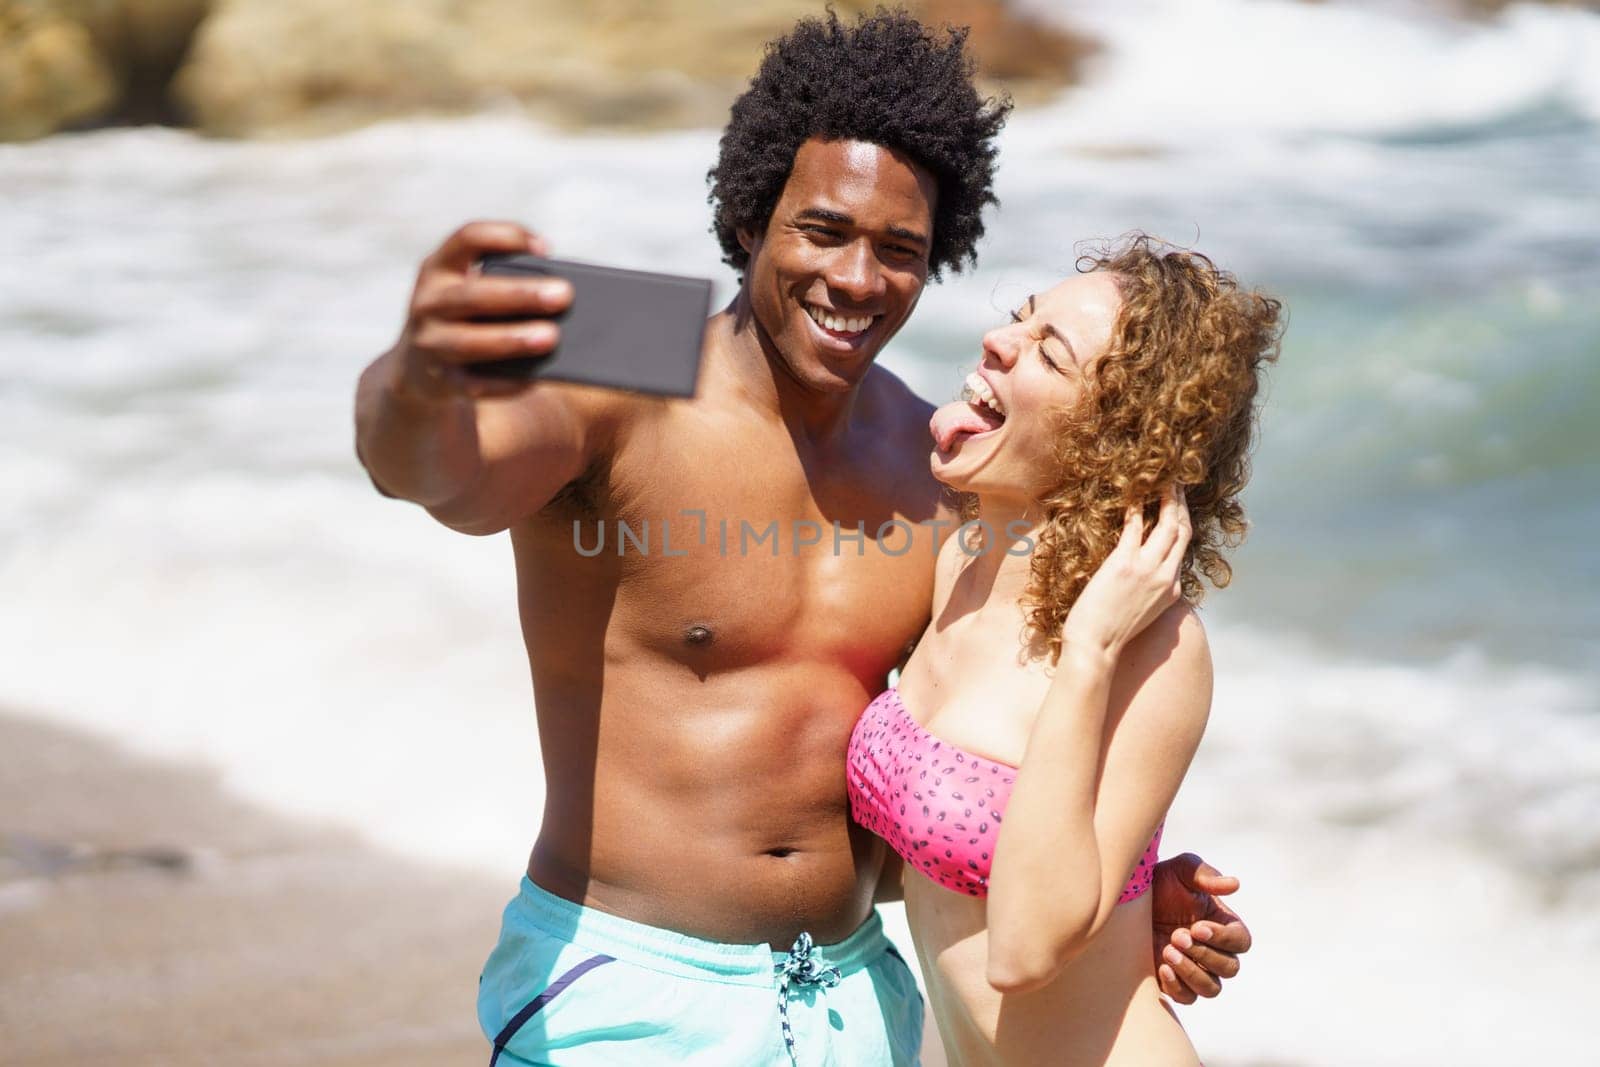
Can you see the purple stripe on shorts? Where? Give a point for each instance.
(534, 1006)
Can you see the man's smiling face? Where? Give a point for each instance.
(843, 260)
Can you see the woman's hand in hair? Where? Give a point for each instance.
(1135, 584)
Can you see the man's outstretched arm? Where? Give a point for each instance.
(1198, 939)
(478, 453)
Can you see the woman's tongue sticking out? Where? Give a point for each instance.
(961, 419)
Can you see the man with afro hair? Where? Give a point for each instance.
(885, 81)
(697, 892)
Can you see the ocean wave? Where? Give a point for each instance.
(1175, 70)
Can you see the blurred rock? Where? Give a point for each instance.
(276, 66)
(145, 41)
(71, 62)
(254, 67)
(51, 72)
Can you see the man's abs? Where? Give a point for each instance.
(715, 809)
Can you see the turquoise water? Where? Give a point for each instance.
(1431, 476)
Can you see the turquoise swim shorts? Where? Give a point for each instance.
(570, 986)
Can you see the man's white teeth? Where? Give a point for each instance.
(984, 395)
(838, 323)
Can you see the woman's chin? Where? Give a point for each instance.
(965, 478)
(947, 468)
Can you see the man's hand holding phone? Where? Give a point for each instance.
(459, 317)
(447, 418)
(477, 452)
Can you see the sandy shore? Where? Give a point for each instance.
(148, 918)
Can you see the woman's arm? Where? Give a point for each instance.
(1108, 749)
(1089, 797)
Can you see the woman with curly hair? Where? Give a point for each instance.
(1024, 765)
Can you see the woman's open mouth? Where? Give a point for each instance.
(981, 413)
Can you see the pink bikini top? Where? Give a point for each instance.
(939, 806)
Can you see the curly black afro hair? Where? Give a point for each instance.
(887, 80)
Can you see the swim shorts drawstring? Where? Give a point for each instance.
(802, 968)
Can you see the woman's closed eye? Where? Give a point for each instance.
(1016, 316)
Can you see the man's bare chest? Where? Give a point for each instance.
(735, 553)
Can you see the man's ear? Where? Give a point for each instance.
(747, 240)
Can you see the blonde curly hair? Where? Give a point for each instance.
(1172, 400)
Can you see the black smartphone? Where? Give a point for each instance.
(626, 329)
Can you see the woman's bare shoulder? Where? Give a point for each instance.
(1170, 660)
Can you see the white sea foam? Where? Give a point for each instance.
(1417, 846)
(1176, 70)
